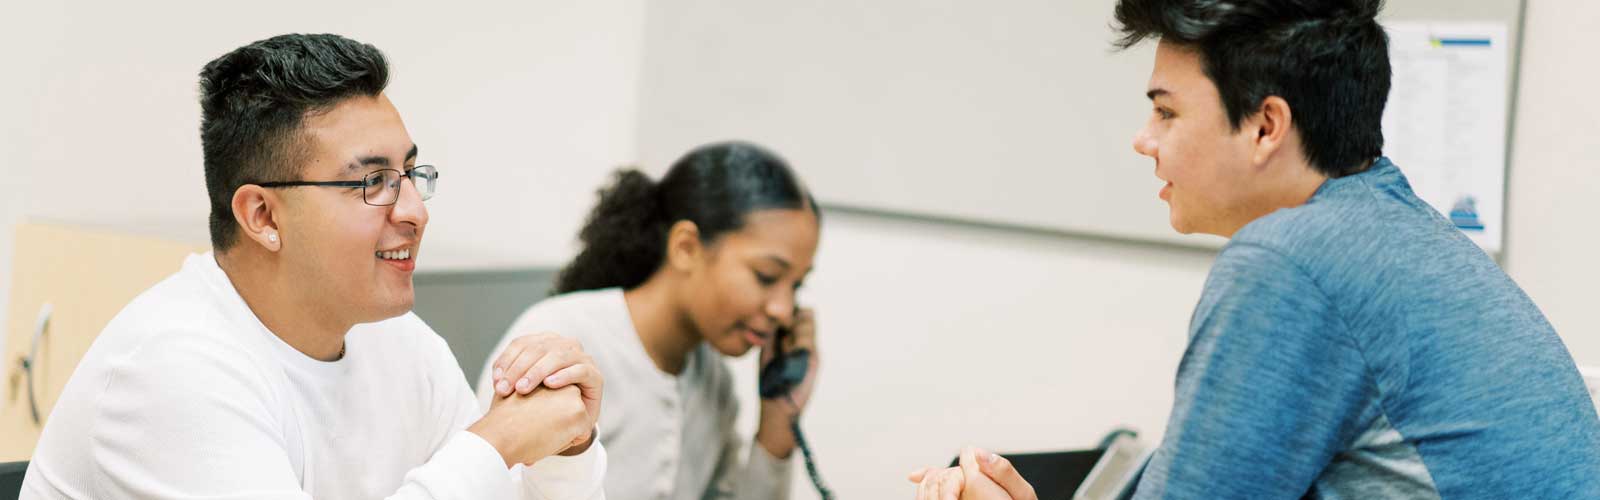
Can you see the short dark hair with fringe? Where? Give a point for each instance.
(1329, 59)
(254, 101)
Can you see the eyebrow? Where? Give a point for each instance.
(1158, 92)
(780, 261)
(379, 161)
(786, 265)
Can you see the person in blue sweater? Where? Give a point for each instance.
(1349, 342)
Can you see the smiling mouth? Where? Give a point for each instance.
(401, 259)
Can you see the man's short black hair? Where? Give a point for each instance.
(1329, 59)
(254, 101)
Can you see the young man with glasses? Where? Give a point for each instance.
(286, 364)
(1350, 342)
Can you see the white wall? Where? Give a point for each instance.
(1553, 217)
(861, 91)
(934, 336)
(15, 95)
(104, 130)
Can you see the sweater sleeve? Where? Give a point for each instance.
(1270, 387)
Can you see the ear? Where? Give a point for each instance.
(684, 251)
(1272, 126)
(255, 209)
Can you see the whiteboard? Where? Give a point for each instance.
(1014, 113)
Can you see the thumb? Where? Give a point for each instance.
(970, 469)
(1000, 470)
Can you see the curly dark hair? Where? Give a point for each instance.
(715, 186)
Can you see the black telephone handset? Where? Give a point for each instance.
(786, 370)
(778, 378)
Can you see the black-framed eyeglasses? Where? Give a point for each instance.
(381, 187)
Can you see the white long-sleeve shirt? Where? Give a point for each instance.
(185, 394)
(669, 436)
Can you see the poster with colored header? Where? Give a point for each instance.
(1445, 122)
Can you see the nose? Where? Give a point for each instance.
(408, 207)
(1144, 142)
(780, 307)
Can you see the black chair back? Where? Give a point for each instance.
(11, 479)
